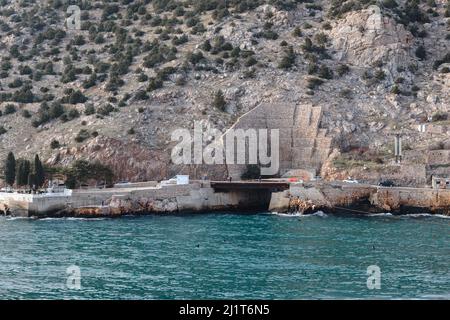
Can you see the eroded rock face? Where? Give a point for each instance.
(119, 205)
(361, 199)
(366, 37)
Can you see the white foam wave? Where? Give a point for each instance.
(71, 219)
(298, 214)
(420, 215)
(18, 218)
(409, 215)
(289, 215)
(319, 214)
(383, 214)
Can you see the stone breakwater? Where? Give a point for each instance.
(360, 198)
(200, 196)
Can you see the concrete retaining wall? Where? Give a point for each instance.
(19, 204)
(197, 196)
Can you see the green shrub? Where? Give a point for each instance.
(321, 38)
(421, 53)
(325, 72)
(82, 135)
(26, 113)
(141, 95)
(54, 144)
(342, 69)
(439, 116)
(25, 70)
(16, 83)
(91, 81)
(206, 46)
(250, 61)
(313, 83)
(105, 110)
(445, 59)
(380, 75)
(346, 93)
(56, 110)
(219, 101)
(77, 97)
(142, 77)
(395, 89)
(73, 114)
(9, 109)
(181, 40)
(154, 84)
(288, 60)
(391, 4)
(195, 57)
(297, 32)
(89, 109)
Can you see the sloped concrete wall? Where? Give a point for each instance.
(302, 145)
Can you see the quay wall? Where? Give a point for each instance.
(201, 197)
(24, 205)
(195, 197)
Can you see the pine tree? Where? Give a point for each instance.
(10, 169)
(39, 172)
(31, 180)
(19, 171)
(22, 171)
(219, 101)
(421, 53)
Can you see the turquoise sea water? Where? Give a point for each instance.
(229, 256)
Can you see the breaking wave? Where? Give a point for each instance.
(384, 214)
(421, 215)
(298, 214)
(409, 215)
(71, 219)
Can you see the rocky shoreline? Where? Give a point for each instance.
(359, 198)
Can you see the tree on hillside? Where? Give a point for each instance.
(219, 101)
(421, 53)
(10, 169)
(39, 172)
(71, 182)
(82, 171)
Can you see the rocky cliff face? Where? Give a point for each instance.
(115, 89)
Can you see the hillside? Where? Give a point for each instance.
(116, 88)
